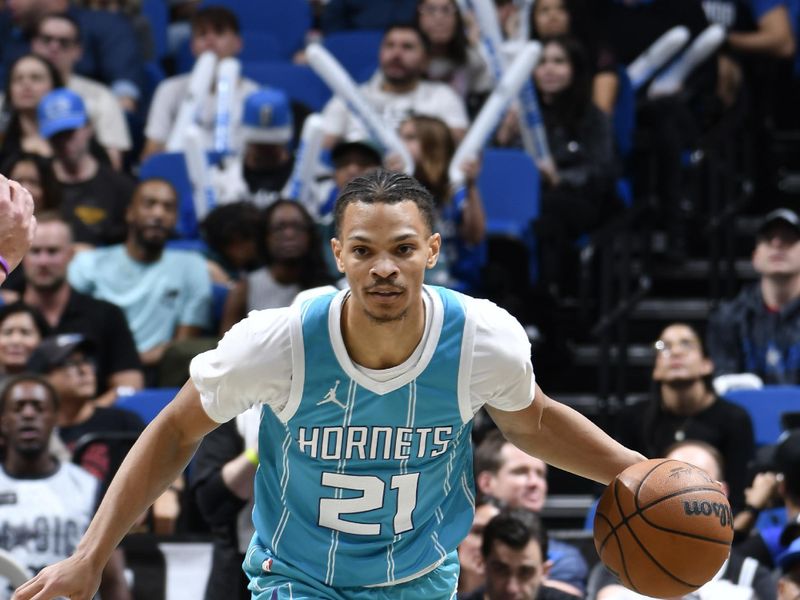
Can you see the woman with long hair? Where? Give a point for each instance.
(454, 59)
(29, 78)
(462, 222)
(35, 173)
(578, 188)
(293, 262)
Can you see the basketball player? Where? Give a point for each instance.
(369, 394)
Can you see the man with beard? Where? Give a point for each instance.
(69, 311)
(45, 505)
(95, 196)
(164, 293)
(398, 90)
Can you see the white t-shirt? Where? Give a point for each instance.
(42, 520)
(167, 102)
(104, 111)
(428, 98)
(253, 362)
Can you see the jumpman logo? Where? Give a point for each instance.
(331, 397)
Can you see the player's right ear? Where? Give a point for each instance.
(336, 246)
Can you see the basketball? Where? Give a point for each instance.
(663, 527)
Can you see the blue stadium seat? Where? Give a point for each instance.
(766, 406)
(259, 46)
(147, 403)
(356, 50)
(287, 20)
(510, 188)
(298, 81)
(172, 167)
(157, 14)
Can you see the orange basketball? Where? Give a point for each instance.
(663, 527)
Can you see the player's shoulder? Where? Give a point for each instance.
(494, 326)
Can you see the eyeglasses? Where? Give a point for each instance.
(667, 348)
(77, 363)
(447, 10)
(63, 42)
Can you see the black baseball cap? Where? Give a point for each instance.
(54, 351)
(367, 147)
(784, 215)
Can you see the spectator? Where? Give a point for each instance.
(233, 233)
(789, 582)
(67, 310)
(132, 11)
(67, 361)
(48, 503)
(577, 194)
(758, 332)
(293, 259)
(214, 28)
(36, 174)
(342, 15)
(95, 196)
(514, 552)
(223, 470)
(30, 78)
(58, 39)
(398, 90)
(739, 576)
(22, 329)
(519, 480)
(453, 59)
(266, 161)
(684, 406)
(111, 51)
(778, 479)
(165, 294)
(556, 18)
(461, 219)
(472, 572)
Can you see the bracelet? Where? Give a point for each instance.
(4, 266)
(252, 456)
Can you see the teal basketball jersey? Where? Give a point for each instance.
(363, 482)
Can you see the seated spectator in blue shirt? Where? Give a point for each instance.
(111, 52)
(758, 332)
(165, 294)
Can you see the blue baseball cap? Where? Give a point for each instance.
(267, 117)
(60, 110)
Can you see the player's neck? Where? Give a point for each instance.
(384, 345)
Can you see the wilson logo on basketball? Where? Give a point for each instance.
(705, 508)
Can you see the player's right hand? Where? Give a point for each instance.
(74, 578)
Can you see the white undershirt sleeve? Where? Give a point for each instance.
(502, 373)
(251, 365)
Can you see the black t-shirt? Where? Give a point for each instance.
(724, 425)
(95, 209)
(631, 29)
(102, 458)
(544, 593)
(104, 323)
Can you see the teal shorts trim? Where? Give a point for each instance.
(272, 579)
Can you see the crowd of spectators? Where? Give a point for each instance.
(110, 299)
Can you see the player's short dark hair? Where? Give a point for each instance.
(216, 18)
(516, 528)
(423, 39)
(15, 380)
(385, 187)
